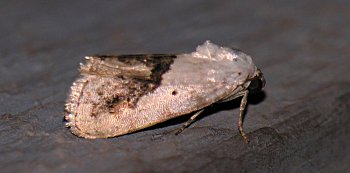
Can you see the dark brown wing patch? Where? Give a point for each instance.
(117, 82)
(143, 67)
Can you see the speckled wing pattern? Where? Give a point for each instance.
(116, 95)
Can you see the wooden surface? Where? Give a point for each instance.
(300, 123)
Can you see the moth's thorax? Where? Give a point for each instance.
(211, 64)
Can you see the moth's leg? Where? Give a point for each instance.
(188, 122)
(241, 114)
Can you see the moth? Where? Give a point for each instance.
(116, 95)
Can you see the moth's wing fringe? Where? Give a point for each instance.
(71, 105)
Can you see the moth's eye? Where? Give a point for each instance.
(255, 85)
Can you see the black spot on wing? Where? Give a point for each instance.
(174, 93)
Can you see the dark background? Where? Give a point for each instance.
(300, 123)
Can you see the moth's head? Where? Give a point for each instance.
(257, 82)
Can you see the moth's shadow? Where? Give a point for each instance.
(212, 109)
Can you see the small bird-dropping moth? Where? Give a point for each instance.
(116, 95)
